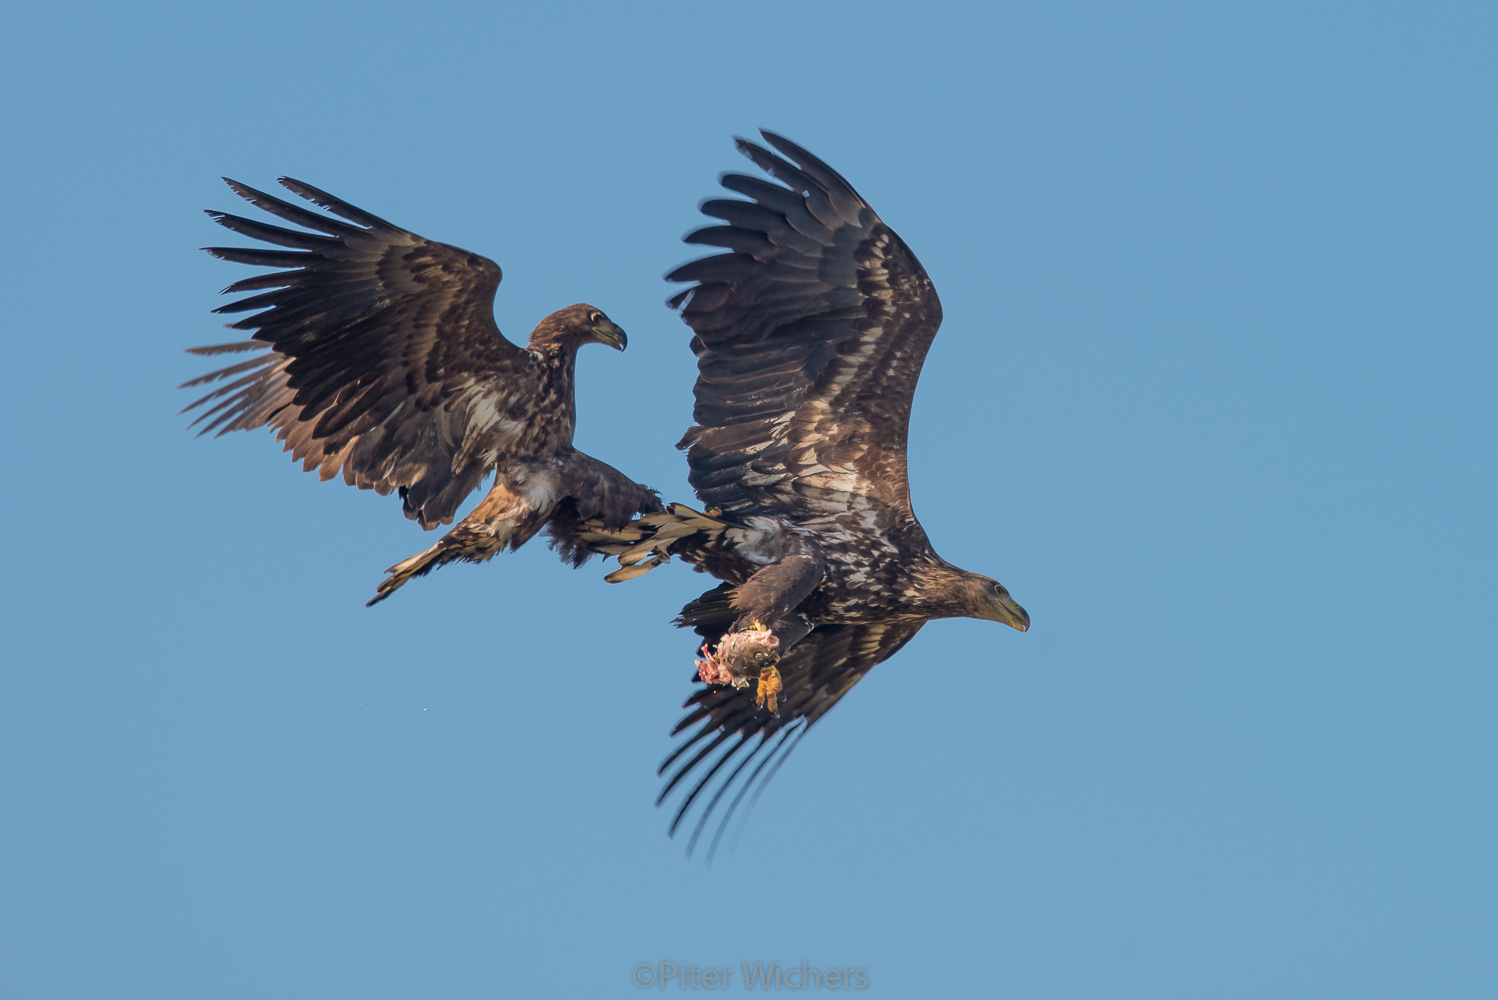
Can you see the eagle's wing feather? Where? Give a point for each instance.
(816, 673)
(810, 335)
(382, 358)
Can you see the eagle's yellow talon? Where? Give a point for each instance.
(769, 687)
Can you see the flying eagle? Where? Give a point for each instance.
(377, 355)
(810, 334)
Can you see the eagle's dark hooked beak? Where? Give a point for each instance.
(607, 333)
(1008, 612)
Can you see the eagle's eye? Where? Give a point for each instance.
(999, 590)
(595, 318)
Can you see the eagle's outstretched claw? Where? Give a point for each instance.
(769, 687)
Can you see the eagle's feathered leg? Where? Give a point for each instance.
(566, 492)
(774, 592)
(506, 518)
(767, 626)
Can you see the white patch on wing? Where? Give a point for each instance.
(538, 486)
(484, 414)
(759, 543)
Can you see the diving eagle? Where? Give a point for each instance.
(809, 334)
(377, 355)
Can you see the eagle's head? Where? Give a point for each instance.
(575, 326)
(992, 602)
(956, 593)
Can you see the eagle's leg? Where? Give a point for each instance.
(772, 593)
(749, 655)
(769, 688)
(766, 627)
(787, 632)
(505, 518)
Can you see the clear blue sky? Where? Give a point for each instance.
(1214, 398)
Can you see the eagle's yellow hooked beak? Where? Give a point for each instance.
(1008, 612)
(606, 332)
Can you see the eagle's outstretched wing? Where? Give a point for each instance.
(381, 357)
(817, 671)
(810, 335)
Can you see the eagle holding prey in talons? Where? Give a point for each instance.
(810, 334)
(377, 355)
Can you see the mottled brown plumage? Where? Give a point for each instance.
(377, 357)
(810, 333)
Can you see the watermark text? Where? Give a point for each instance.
(759, 975)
